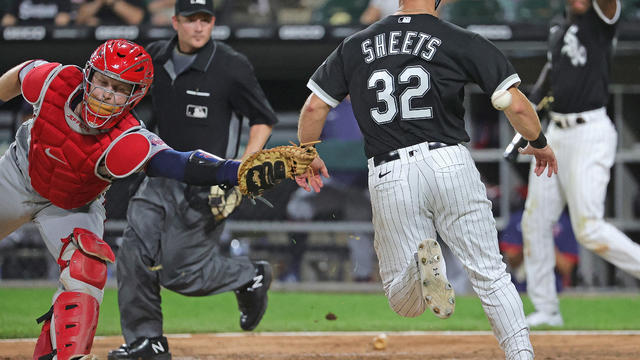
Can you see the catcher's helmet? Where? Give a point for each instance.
(121, 60)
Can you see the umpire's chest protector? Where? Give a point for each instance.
(63, 162)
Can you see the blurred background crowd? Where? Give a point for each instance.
(262, 12)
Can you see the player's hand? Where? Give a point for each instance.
(545, 158)
(314, 181)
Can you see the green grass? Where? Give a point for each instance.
(306, 312)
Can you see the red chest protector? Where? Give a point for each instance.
(62, 161)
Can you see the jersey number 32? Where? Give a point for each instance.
(385, 95)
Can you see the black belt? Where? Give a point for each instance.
(565, 124)
(394, 155)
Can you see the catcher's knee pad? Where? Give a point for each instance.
(75, 317)
(83, 258)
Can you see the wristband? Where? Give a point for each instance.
(540, 142)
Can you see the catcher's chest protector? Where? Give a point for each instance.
(62, 161)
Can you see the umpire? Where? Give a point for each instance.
(170, 239)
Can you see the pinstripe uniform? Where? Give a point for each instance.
(406, 77)
(584, 140)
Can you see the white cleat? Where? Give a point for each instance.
(544, 319)
(436, 289)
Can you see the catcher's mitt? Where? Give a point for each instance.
(266, 168)
(224, 202)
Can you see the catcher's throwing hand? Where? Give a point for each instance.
(312, 179)
(545, 158)
(264, 169)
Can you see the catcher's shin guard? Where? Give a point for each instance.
(75, 319)
(44, 349)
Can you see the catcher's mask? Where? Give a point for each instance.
(123, 61)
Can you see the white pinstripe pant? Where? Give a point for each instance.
(440, 191)
(585, 154)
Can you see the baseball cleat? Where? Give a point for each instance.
(156, 348)
(539, 318)
(252, 297)
(436, 289)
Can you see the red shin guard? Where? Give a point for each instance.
(75, 320)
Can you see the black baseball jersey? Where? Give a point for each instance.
(193, 109)
(580, 54)
(406, 76)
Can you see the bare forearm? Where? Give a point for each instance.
(522, 116)
(10, 83)
(132, 15)
(87, 11)
(258, 136)
(312, 118)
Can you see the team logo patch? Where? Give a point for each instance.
(156, 141)
(197, 111)
(404, 19)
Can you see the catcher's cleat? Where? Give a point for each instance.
(436, 289)
(156, 348)
(252, 297)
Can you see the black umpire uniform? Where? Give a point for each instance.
(170, 240)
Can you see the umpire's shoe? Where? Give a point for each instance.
(252, 296)
(155, 348)
(436, 289)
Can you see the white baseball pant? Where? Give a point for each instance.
(585, 154)
(428, 191)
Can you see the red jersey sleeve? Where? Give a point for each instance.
(35, 79)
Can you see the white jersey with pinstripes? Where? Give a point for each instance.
(584, 140)
(406, 77)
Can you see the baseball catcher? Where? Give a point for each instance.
(81, 138)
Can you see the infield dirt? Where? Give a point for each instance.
(352, 347)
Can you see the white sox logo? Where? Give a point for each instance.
(572, 47)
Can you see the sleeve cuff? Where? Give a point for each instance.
(508, 82)
(322, 94)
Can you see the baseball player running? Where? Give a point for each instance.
(406, 76)
(81, 138)
(584, 138)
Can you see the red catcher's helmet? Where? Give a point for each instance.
(121, 60)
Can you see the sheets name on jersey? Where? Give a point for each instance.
(400, 43)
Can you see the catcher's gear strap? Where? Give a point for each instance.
(75, 320)
(127, 154)
(207, 169)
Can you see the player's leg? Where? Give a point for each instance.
(16, 208)
(193, 266)
(463, 218)
(138, 271)
(72, 237)
(595, 146)
(545, 202)
(400, 224)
